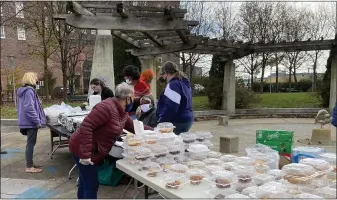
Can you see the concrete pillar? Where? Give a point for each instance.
(102, 65)
(149, 62)
(228, 99)
(333, 86)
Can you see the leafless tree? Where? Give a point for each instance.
(9, 11)
(320, 28)
(38, 21)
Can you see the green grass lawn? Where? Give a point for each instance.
(274, 100)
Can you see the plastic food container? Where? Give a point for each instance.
(165, 127)
(261, 179)
(198, 151)
(181, 158)
(151, 168)
(245, 161)
(249, 190)
(175, 149)
(175, 181)
(278, 174)
(228, 166)
(228, 158)
(222, 179)
(261, 169)
(296, 169)
(130, 158)
(212, 161)
(178, 168)
(201, 136)
(196, 176)
(164, 139)
(158, 150)
(188, 138)
(318, 164)
(214, 154)
(327, 192)
(135, 141)
(206, 143)
(150, 138)
(237, 196)
(165, 163)
(212, 168)
(271, 190)
(195, 164)
(329, 157)
(216, 193)
(244, 173)
(143, 154)
(307, 196)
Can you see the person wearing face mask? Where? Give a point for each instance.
(175, 102)
(132, 77)
(147, 77)
(31, 117)
(100, 129)
(147, 113)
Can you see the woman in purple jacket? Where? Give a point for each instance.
(31, 117)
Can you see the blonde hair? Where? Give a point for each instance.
(29, 78)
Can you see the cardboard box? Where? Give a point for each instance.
(281, 147)
(284, 160)
(274, 135)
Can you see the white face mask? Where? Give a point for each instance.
(145, 107)
(128, 81)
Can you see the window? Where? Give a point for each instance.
(83, 31)
(93, 32)
(1, 11)
(21, 33)
(2, 32)
(19, 9)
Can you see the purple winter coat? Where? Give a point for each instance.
(30, 112)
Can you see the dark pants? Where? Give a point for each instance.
(182, 127)
(31, 141)
(88, 180)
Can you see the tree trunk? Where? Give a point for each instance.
(65, 80)
(277, 86)
(251, 80)
(45, 78)
(315, 72)
(263, 67)
(295, 77)
(289, 80)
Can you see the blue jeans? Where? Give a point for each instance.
(88, 180)
(182, 127)
(31, 141)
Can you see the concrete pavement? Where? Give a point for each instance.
(53, 182)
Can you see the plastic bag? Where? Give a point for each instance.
(263, 154)
(318, 164)
(272, 190)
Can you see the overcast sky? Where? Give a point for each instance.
(205, 63)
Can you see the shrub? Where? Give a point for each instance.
(244, 97)
(324, 87)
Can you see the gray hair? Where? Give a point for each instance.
(124, 91)
(148, 98)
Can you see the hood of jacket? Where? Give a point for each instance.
(23, 90)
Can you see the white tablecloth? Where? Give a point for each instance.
(185, 192)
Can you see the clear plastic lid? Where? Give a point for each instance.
(228, 158)
(229, 176)
(237, 196)
(307, 196)
(212, 168)
(178, 168)
(228, 166)
(222, 179)
(306, 149)
(216, 193)
(188, 137)
(261, 179)
(158, 150)
(206, 143)
(174, 181)
(212, 161)
(261, 169)
(249, 190)
(244, 161)
(201, 135)
(195, 164)
(214, 154)
(175, 149)
(181, 158)
(143, 154)
(165, 127)
(270, 190)
(241, 170)
(318, 164)
(146, 166)
(196, 148)
(278, 174)
(150, 138)
(329, 157)
(297, 169)
(326, 192)
(196, 176)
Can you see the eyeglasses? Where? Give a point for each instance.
(162, 73)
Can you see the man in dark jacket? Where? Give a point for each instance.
(148, 111)
(334, 116)
(175, 102)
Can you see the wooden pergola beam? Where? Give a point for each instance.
(157, 42)
(126, 38)
(162, 50)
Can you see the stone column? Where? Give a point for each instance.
(149, 62)
(228, 99)
(102, 65)
(333, 86)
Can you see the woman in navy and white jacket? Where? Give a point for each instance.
(334, 116)
(175, 102)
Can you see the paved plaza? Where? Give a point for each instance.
(54, 182)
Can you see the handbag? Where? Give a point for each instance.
(23, 131)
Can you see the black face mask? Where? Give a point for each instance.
(162, 80)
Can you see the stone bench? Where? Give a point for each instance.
(229, 144)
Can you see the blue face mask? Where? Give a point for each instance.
(129, 106)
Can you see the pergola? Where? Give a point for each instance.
(154, 31)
